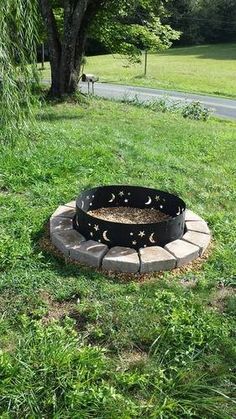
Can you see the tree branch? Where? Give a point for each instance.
(92, 9)
(51, 28)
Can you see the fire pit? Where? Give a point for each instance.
(159, 216)
(129, 229)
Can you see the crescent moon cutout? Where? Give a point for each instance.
(104, 235)
(149, 201)
(179, 211)
(113, 197)
(151, 239)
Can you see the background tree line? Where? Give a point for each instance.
(202, 21)
(198, 21)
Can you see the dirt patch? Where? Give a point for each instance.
(220, 297)
(57, 310)
(129, 215)
(81, 320)
(128, 359)
(189, 282)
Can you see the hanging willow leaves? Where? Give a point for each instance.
(18, 27)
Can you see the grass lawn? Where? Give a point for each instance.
(203, 69)
(163, 348)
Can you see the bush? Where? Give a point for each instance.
(197, 111)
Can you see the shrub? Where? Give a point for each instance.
(196, 110)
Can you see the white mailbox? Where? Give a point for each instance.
(89, 78)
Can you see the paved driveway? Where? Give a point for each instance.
(220, 106)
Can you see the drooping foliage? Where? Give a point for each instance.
(134, 26)
(18, 38)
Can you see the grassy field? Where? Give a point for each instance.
(203, 69)
(163, 348)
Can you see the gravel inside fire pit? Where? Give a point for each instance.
(129, 215)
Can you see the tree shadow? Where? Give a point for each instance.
(51, 117)
(212, 51)
(139, 76)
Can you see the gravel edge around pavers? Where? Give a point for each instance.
(126, 260)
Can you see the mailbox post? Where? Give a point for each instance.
(90, 78)
(145, 62)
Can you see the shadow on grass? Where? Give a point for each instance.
(214, 52)
(51, 117)
(139, 76)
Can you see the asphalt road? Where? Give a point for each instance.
(221, 107)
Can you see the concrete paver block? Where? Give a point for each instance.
(183, 251)
(60, 224)
(200, 226)
(64, 211)
(71, 204)
(198, 239)
(191, 216)
(121, 259)
(66, 240)
(89, 253)
(155, 259)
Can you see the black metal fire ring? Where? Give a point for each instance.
(130, 235)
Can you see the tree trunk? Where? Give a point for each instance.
(66, 53)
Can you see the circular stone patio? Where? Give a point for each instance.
(124, 259)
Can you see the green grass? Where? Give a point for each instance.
(159, 349)
(208, 69)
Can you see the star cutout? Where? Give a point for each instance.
(131, 234)
(96, 227)
(141, 234)
(121, 193)
(134, 242)
(157, 197)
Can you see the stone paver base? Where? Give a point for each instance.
(122, 259)
(155, 259)
(89, 253)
